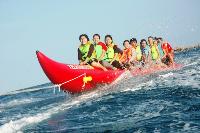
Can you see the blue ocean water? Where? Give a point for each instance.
(160, 102)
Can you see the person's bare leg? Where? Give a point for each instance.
(98, 65)
(171, 60)
(108, 65)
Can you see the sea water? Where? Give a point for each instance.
(160, 102)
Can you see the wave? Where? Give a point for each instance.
(17, 102)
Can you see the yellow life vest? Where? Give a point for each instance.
(84, 49)
(138, 53)
(154, 52)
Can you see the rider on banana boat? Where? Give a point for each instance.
(160, 41)
(136, 52)
(112, 54)
(154, 52)
(168, 57)
(87, 54)
(101, 49)
(145, 51)
(127, 54)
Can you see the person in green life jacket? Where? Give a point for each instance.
(154, 55)
(87, 54)
(136, 52)
(113, 53)
(101, 49)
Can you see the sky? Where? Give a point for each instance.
(53, 27)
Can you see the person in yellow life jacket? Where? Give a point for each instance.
(136, 52)
(127, 54)
(155, 54)
(112, 53)
(87, 54)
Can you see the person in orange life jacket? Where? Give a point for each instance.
(86, 53)
(127, 54)
(168, 57)
(112, 53)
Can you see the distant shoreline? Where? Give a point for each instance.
(186, 48)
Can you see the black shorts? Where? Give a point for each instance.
(117, 65)
(92, 60)
(166, 60)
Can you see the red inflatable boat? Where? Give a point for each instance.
(76, 78)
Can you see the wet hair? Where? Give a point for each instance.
(86, 36)
(96, 35)
(150, 37)
(160, 38)
(108, 36)
(125, 41)
(142, 41)
(133, 40)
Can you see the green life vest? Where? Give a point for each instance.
(98, 50)
(109, 54)
(154, 53)
(84, 49)
(138, 53)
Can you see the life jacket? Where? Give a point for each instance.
(154, 52)
(110, 54)
(84, 49)
(138, 53)
(167, 47)
(98, 49)
(127, 53)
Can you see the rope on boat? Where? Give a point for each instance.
(59, 85)
(85, 80)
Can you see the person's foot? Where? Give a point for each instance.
(114, 68)
(105, 69)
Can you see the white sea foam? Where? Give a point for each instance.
(166, 75)
(140, 86)
(17, 125)
(17, 102)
